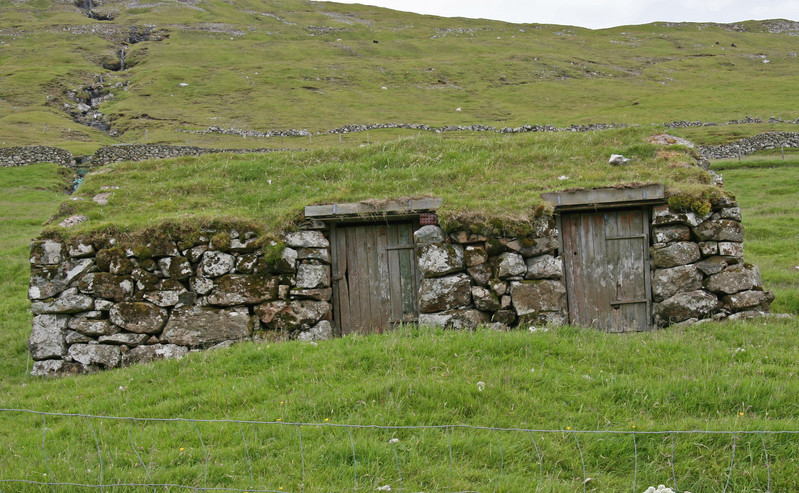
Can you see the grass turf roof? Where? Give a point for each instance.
(489, 183)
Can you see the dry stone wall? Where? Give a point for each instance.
(114, 302)
(749, 145)
(698, 268)
(25, 155)
(104, 304)
(469, 279)
(144, 152)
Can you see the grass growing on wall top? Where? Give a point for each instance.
(490, 181)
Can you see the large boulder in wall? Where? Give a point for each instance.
(197, 326)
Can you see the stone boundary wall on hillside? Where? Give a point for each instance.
(749, 145)
(25, 155)
(108, 303)
(144, 152)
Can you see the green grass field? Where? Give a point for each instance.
(716, 376)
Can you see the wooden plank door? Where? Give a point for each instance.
(606, 255)
(375, 283)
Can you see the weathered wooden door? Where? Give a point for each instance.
(375, 283)
(606, 255)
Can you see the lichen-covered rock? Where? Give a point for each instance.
(733, 213)
(538, 319)
(106, 285)
(731, 249)
(177, 268)
(467, 237)
(439, 294)
(713, 265)
(505, 317)
(509, 265)
(544, 267)
(668, 282)
(138, 317)
(320, 254)
(70, 301)
(697, 304)
(532, 247)
(204, 326)
(201, 285)
(464, 318)
(124, 338)
(46, 252)
(306, 239)
(440, 259)
(484, 299)
(439, 319)
(73, 337)
(162, 246)
(47, 281)
(319, 294)
(481, 273)
(54, 367)
(169, 293)
(96, 354)
(474, 255)
(216, 264)
(674, 254)
(241, 245)
(667, 216)
(297, 314)
(113, 260)
(195, 254)
(467, 318)
(734, 279)
(245, 264)
(674, 232)
(429, 234)
(708, 248)
(79, 249)
(311, 276)
(538, 296)
(155, 352)
(319, 332)
(48, 336)
(748, 300)
(720, 230)
(92, 328)
(287, 263)
(243, 289)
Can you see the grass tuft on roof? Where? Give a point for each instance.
(489, 183)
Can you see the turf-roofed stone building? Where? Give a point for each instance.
(618, 259)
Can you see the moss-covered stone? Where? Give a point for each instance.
(221, 242)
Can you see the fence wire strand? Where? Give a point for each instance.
(109, 483)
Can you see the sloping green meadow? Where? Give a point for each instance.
(488, 182)
(322, 65)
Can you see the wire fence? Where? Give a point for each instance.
(48, 451)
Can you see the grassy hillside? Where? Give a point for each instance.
(298, 64)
